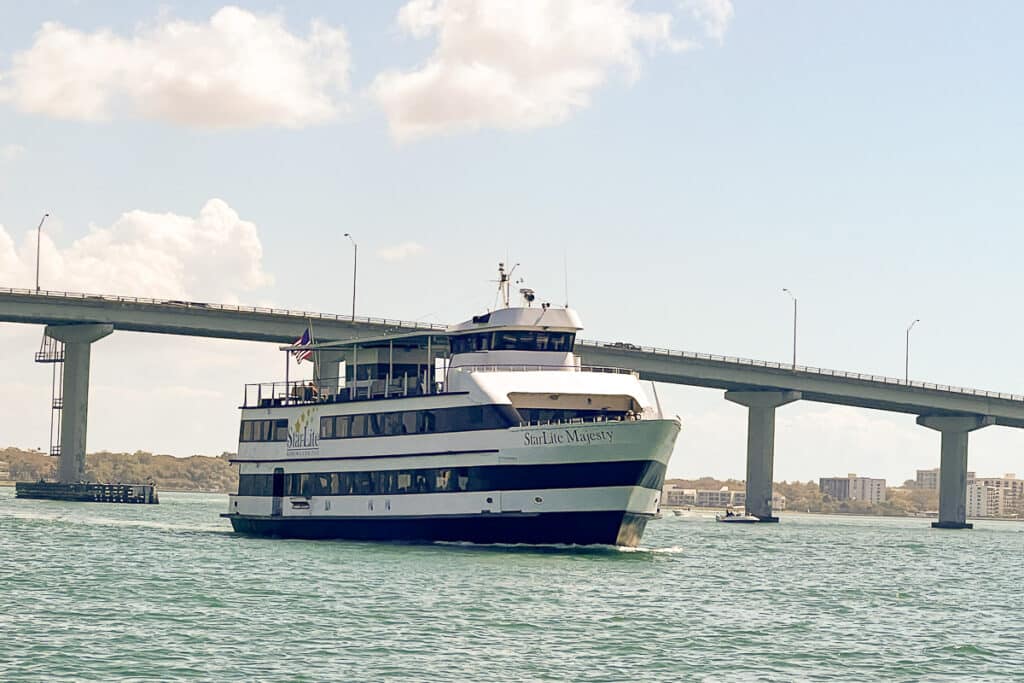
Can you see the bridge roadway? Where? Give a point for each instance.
(761, 386)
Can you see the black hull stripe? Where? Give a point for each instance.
(281, 461)
(579, 528)
(644, 473)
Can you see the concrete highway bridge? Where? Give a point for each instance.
(78, 320)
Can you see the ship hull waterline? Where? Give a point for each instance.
(607, 527)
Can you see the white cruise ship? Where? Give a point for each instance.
(492, 431)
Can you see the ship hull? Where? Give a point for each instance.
(573, 528)
(555, 484)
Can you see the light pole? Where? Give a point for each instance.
(355, 265)
(791, 296)
(39, 237)
(906, 366)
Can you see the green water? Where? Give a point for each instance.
(98, 592)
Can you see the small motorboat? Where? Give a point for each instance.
(734, 518)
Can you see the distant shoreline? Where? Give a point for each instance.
(667, 509)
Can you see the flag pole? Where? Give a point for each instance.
(316, 356)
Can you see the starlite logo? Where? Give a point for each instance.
(304, 433)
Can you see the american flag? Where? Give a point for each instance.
(302, 354)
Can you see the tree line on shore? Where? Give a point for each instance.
(195, 473)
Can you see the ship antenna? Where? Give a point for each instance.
(504, 280)
(565, 271)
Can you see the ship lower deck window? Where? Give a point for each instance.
(396, 423)
(263, 430)
(647, 473)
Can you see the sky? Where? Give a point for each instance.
(677, 163)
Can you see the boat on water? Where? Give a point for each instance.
(490, 431)
(731, 517)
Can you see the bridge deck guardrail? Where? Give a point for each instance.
(620, 346)
(845, 374)
(198, 305)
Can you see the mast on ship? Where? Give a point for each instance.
(504, 283)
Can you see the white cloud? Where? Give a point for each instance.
(11, 152)
(513, 65)
(713, 15)
(400, 252)
(214, 257)
(239, 69)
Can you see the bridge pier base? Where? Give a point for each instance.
(761, 407)
(953, 465)
(74, 417)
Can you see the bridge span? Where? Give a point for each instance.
(762, 386)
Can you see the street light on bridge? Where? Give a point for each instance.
(791, 296)
(355, 264)
(906, 366)
(39, 239)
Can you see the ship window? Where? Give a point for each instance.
(264, 430)
(323, 485)
(359, 425)
(643, 473)
(376, 424)
(468, 343)
(467, 418)
(425, 422)
(254, 485)
(363, 482)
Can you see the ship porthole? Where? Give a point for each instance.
(538, 499)
(490, 500)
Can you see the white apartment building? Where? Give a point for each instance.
(674, 495)
(996, 496)
(929, 479)
(983, 501)
(739, 499)
(852, 487)
(707, 498)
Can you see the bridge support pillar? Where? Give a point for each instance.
(74, 417)
(761, 407)
(326, 366)
(953, 465)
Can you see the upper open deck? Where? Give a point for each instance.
(308, 392)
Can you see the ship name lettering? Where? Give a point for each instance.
(568, 436)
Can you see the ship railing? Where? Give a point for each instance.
(581, 421)
(336, 390)
(543, 368)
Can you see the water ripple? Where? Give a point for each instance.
(101, 592)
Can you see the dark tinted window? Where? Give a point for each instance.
(648, 473)
(396, 423)
(263, 430)
(513, 341)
